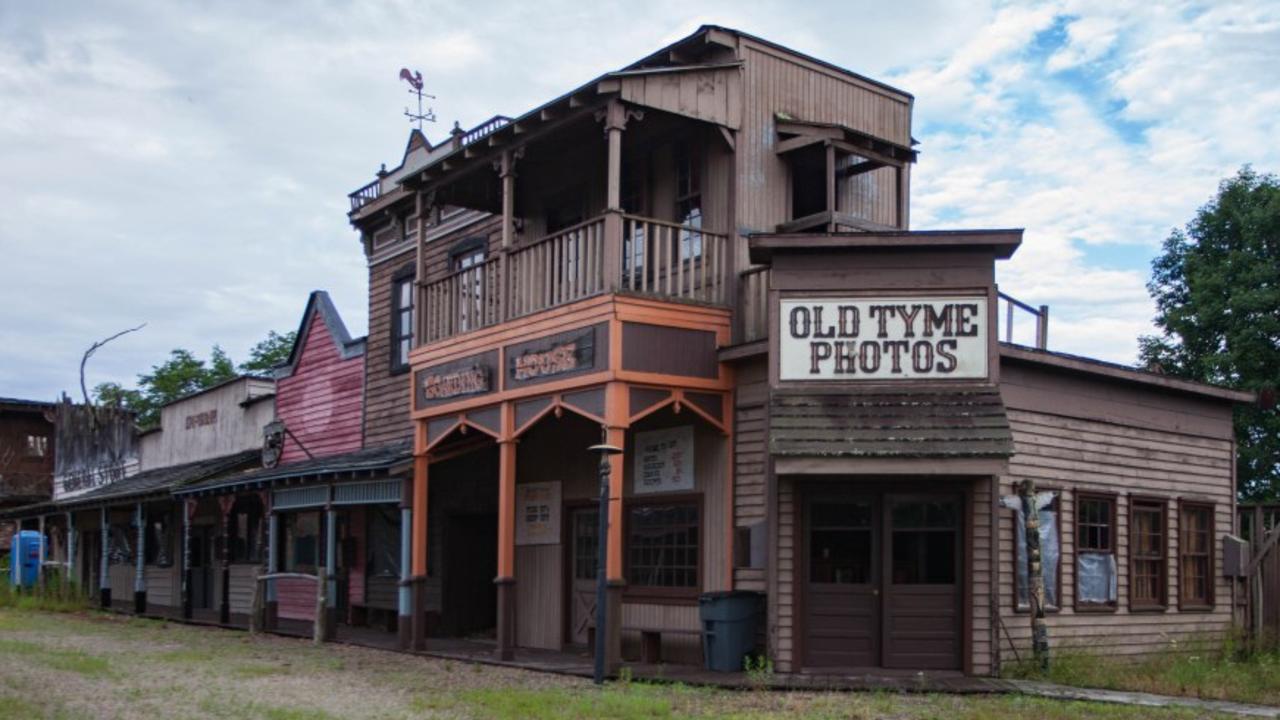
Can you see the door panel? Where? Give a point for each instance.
(584, 531)
(922, 590)
(841, 583)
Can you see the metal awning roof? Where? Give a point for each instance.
(364, 462)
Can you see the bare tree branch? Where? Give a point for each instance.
(94, 348)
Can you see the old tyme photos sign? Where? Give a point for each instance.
(881, 339)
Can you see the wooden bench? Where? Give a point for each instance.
(650, 640)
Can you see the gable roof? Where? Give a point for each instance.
(320, 304)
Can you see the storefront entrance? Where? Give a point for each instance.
(881, 580)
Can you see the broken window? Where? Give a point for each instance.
(1050, 552)
(1096, 550)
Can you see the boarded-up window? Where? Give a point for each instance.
(663, 550)
(1148, 559)
(1050, 550)
(1096, 551)
(1195, 556)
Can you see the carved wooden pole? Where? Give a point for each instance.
(1035, 574)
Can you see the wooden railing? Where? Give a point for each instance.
(485, 129)
(366, 194)
(648, 256)
(753, 296)
(463, 301)
(1041, 315)
(673, 261)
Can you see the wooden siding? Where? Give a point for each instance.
(711, 95)
(243, 578)
(540, 595)
(980, 563)
(1074, 455)
(121, 581)
(162, 586)
(320, 402)
(356, 576)
(296, 599)
(751, 463)
(782, 632)
(186, 436)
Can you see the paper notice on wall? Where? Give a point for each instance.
(538, 513)
(664, 460)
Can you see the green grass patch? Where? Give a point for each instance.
(75, 661)
(55, 596)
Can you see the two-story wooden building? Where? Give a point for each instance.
(704, 258)
(27, 446)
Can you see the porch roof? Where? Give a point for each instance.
(891, 424)
(366, 461)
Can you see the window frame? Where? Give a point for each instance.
(288, 519)
(1079, 497)
(255, 551)
(1147, 503)
(405, 274)
(1013, 516)
(663, 595)
(1210, 601)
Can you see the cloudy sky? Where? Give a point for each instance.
(187, 164)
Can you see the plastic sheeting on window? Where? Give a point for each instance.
(1096, 577)
(1050, 553)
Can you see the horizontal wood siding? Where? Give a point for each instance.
(783, 633)
(382, 593)
(161, 586)
(296, 599)
(1074, 455)
(981, 565)
(121, 577)
(243, 578)
(751, 458)
(320, 402)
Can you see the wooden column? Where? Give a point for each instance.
(69, 580)
(419, 579)
(140, 562)
(506, 579)
(225, 504)
(904, 196)
(331, 569)
(188, 512)
(506, 167)
(273, 566)
(405, 600)
(615, 121)
(831, 186)
(617, 413)
(104, 566)
(40, 557)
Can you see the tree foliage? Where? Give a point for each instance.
(182, 373)
(1216, 285)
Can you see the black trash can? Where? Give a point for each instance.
(730, 622)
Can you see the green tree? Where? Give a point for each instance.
(1216, 286)
(269, 353)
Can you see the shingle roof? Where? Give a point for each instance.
(167, 479)
(961, 423)
(358, 461)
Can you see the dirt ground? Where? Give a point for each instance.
(95, 665)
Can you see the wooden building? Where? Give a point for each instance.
(704, 258)
(27, 446)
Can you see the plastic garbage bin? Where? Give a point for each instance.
(730, 622)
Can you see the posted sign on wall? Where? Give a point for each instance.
(938, 338)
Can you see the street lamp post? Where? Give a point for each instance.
(602, 556)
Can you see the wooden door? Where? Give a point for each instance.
(584, 539)
(922, 557)
(201, 566)
(841, 566)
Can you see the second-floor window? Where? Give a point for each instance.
(401, 320)
(688, 200)
(37, 446)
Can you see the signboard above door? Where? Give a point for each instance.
(883, 339)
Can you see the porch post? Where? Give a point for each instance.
(41, 556)
(419, 579)
(507, 173)
(615, 120)
(617, 413)
(331, 569)
(104, 568)
(224, 600)
(188, 509)
(506, 579)
(140, 562)
(273, 566)
(404, 601)
(71, 550)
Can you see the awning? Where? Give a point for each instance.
(364, 463)
(960, 431)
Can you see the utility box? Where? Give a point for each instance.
(1235, 556)
(25, 557)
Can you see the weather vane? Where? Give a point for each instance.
(415, 80)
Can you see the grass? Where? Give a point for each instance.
(178, 671)
(55, 596)
(1200, 668)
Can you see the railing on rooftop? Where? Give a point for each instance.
(644, 256)
(1041, 315)
(366, 194)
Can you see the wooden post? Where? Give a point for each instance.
(331, 570)
(41, 556)
(1042, 328)
(104, 566)
(257, 607)
(71, 551)
(273, 566)
(224, 602)
(615, 120)
(140, 562)
(419, 580)
(320, 629)
(617, 413)
(404, 622)
(188, 510)
(506, 579)
(831, 187)
(1035, 574)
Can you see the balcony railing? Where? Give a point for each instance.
(643, 256)
(366, 194)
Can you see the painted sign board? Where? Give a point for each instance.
(664, 460)
(883, 339)
(538, 513)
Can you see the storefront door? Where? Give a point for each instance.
(881, 581)
(584, 529)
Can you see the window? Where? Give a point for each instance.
(467, 260)
(1047, 504)
(663, 549)
(120, 545)
(159, 548)
(688, 201)
(384, 541)
(37, 446)
(302, 542)
(1195, 556)
(924, 542)
(1095, 551)
(244, 533)
(401, 319)
(1148, 562)
(840, 543)
(586, 544)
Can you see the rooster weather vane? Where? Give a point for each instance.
(415, 81)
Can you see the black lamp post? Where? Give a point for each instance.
(602, 556)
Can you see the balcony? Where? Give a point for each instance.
(609, 253)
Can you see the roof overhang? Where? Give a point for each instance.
(1002, 243)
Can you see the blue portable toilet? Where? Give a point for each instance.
(25, 556)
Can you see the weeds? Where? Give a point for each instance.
(759, 670)
(54, 596)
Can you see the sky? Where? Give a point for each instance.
(186, 164)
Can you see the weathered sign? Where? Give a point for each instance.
(467, 381)
(664, 460)
(850, 339)
(538, 513)
(202, 419)
(558, 358)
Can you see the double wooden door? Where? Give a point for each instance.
(881, 581)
